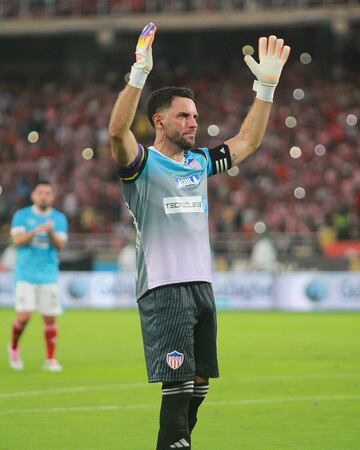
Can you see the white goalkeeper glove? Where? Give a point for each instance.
(273, 55)
(144, 62)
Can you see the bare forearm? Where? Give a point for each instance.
(124, 110)
(254, 126)
(56, 241)
(23, 238)
(251, 132)
(123, 142)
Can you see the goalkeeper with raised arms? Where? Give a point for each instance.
(165, 188)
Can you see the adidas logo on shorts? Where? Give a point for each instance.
(180, 444)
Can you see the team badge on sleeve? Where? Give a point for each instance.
(174, 359)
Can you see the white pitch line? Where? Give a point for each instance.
(299, 377)
(75, 389)
(284, 400)
(76, 409)
(72, 389)
(81, 409)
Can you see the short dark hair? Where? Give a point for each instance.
(41, 181)
(162, 98)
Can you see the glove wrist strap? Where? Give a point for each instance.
(264, 91)
(137, 77)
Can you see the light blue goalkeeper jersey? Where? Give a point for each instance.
(169, 205)
(38, 261)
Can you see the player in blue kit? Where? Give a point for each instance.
(38, 232)
(165, 187)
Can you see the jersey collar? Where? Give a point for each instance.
(166, 157)
(38, 212)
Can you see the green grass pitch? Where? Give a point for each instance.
(288, 382)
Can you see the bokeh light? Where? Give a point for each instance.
(298, 94)
(260, 227)
(299, 192)
(351, 120)
(233, 171)
(213, 130)
(88, 153)
(305, 58)
(290, 122)
(248, 50)
(320, 150)
(295, 152)
(33, 137)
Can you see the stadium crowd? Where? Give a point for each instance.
(312, 142)
(66, 8)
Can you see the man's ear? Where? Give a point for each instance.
(158, 121)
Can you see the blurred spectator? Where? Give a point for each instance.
(127, 258)
(264, 254)
(326, 234)
(7, 258)
(354, 262)
(342, 223)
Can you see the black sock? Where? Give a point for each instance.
(174, 428)
(199, 394)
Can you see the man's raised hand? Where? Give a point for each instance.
(144, 62)
(273, 55)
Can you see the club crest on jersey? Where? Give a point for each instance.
(193, 163)
(174, 359)
(194, 180)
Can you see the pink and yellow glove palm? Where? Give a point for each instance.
(273, 55)
(144, 62)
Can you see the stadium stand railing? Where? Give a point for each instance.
(230, 252)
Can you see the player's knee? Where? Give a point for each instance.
(199, 379)
(49, 320)
(23, 318)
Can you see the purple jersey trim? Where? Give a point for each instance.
(131, 170)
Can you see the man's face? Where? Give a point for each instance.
(180, 122)
(43, 196)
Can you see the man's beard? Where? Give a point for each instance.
(177, 139)
(43, 206)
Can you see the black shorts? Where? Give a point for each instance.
(178, 324)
